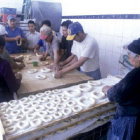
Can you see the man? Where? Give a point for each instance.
(15, 36)
(52, 45)
(42, 42)
(8, 82)
(85, 48)
(32, 36)
(66, 45)
(5, 55)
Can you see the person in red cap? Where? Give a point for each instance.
(126, 123)
(85, 48)
(52, 46)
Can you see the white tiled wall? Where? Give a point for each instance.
(111, 35)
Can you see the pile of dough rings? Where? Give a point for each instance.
(49, 106)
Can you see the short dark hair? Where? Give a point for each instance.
(31, 22)
(46, 22)
(66, 23)
(2, 42)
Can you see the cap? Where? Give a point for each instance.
(45, 31)
(10, 17)
(2, 30)
(135, 46)
(73, 29)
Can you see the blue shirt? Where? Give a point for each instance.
(12, 45)
(43, 44)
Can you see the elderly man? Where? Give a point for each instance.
(85, 48)
(5, 55)
(15, 36)
(52, 45)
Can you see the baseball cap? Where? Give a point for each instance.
(73, 29)
(10, 17)
(2, 30)
(45, 31)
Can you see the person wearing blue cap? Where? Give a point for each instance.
(85, 48)
(15, 36)
(126, 123)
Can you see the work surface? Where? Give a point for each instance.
(31, 85)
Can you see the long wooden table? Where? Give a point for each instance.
(31, 85)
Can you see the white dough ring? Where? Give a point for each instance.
(65, 98)
(46, 70)
(48, 92)
(24, 100)
(22, 124)
(66, 111)
(31, 116)
(40, 76)
(47, 118)
(40, 95)
(77, 108)
(10, 130)
(15, 112)
(71, 103)
(35, 122)
(7, 123)
(50, 105)
(95, 83)
(57, 115)
(32, 97)
(13, 102)
(39, 108)
(18, 118)
(98, 95)
(32, 71)
(72, 93)
(3, 105)
(57, 91)
(86, 102)
(51, 110)
(85, 88)
(28, 110)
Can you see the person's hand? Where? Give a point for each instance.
(17, 37)
(21, 66)
(19, 59)
(58, 74)
(105, 89)
(56, 67)
(18, 76)
(42, 58)
(61, 64)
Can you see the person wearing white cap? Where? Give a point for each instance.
(15, 36)
(5, 55)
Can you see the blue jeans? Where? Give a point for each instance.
(96, 75)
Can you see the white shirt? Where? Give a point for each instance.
(32, 39)
(87, 48)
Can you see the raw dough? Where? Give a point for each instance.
(46, 70)
(41, 76)
(32, 71)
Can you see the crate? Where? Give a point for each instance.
(8, 11)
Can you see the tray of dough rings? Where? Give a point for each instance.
(53, 110)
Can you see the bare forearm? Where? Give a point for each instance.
(68, 59)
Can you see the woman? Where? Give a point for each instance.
(126, 94)
(8, 82)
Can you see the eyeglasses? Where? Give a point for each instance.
(131, 53)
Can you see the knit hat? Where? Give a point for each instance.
(135, 46)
